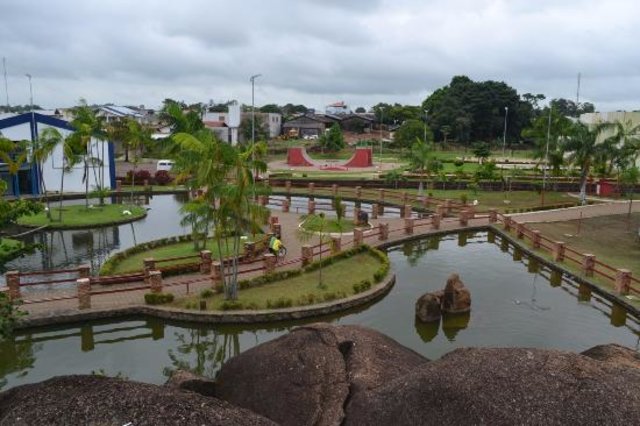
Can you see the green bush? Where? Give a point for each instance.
(207, 292)
(458, 162)
(158, 298)
(281, 302)
(231, 305)
(363, 285)
(464, 198)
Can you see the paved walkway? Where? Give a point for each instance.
(571, 213)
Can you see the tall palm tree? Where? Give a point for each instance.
(14, 155)
(584, 151)
(136, 135)
(87, 125)
(69, 160)
(225, 174)
(41, 150)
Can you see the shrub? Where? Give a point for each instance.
(458, 162)
(363, 285)
(207, 292)
(464, 198)
(307, 299)
(158, 298)
(141, 175)
(162, 177)
(281, 302)
(231, 305)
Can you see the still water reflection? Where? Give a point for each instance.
(515, 302)
(69, 248)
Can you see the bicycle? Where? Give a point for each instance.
(280, 255)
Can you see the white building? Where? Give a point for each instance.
(28, 126)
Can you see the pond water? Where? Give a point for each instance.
(69, 248)
(515, 302)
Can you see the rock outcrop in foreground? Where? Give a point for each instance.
(96, 400)
(330, 375)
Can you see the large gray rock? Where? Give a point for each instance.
(504, 386)
(186, 380)
(308, 376)
(616, 354)
(96, 400)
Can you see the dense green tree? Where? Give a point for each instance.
(272, 108)
(333, 140)
(291, 109)
(409, 132)
(482, 151)
(568, 108)
(360, 110)
(554, 126)
(245, 130)
(396, 113)
(9, 315)
(476, 110)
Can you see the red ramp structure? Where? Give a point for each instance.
(298, 157)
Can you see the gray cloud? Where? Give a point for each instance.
(316, 51)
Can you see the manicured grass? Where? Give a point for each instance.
(486, 199)
(338, 279)
(314, 223)
(496, 199)
(134, 262)
(607, 237)
(10, 248)
(78, 216)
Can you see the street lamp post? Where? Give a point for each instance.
(546, 157)
(381, 121)
(425, 126)
(30, 92)
(253, 120)
(504, 134)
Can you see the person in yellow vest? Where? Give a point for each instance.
(274, 245)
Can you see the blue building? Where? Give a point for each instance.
(27, 127)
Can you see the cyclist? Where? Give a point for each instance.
(274, 245)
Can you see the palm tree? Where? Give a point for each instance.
(225, 174)
(584, 151)
(41, 150)
(14, 155)
(87, 125)
(69, 160)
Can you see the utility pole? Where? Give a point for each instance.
(253, 124)
(30, 92)
(6, 85)
(381, 121)
(425, 126)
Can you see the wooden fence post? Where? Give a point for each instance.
(435, 221)
(84, 293)
(520, 230)
(285, 206)
(623, 281)
(205, 261)
(537, 238)
(558, 251)
(13, 282)
(408, 225)
(383, 230)
(336, 245)
(269, 263)
(374, 211)
(307, 254)
(358, 237)
(493, 216)
(155, 281)
(588, 264)
(149, 264)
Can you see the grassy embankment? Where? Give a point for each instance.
(78, 216)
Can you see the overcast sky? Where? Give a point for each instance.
(316, 52)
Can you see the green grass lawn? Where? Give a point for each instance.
(134, 262)
(314, 223)
(78, 216)
(607, 237)
(335, 277)
(9, 247)
(496, 199)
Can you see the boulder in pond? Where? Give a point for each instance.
(97, 400)
(428, 306)
(186, 380)
(309, 375)
(457, 298)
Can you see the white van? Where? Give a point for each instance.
(164, 165)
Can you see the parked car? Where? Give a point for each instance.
(310, 137)
(164, 165)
